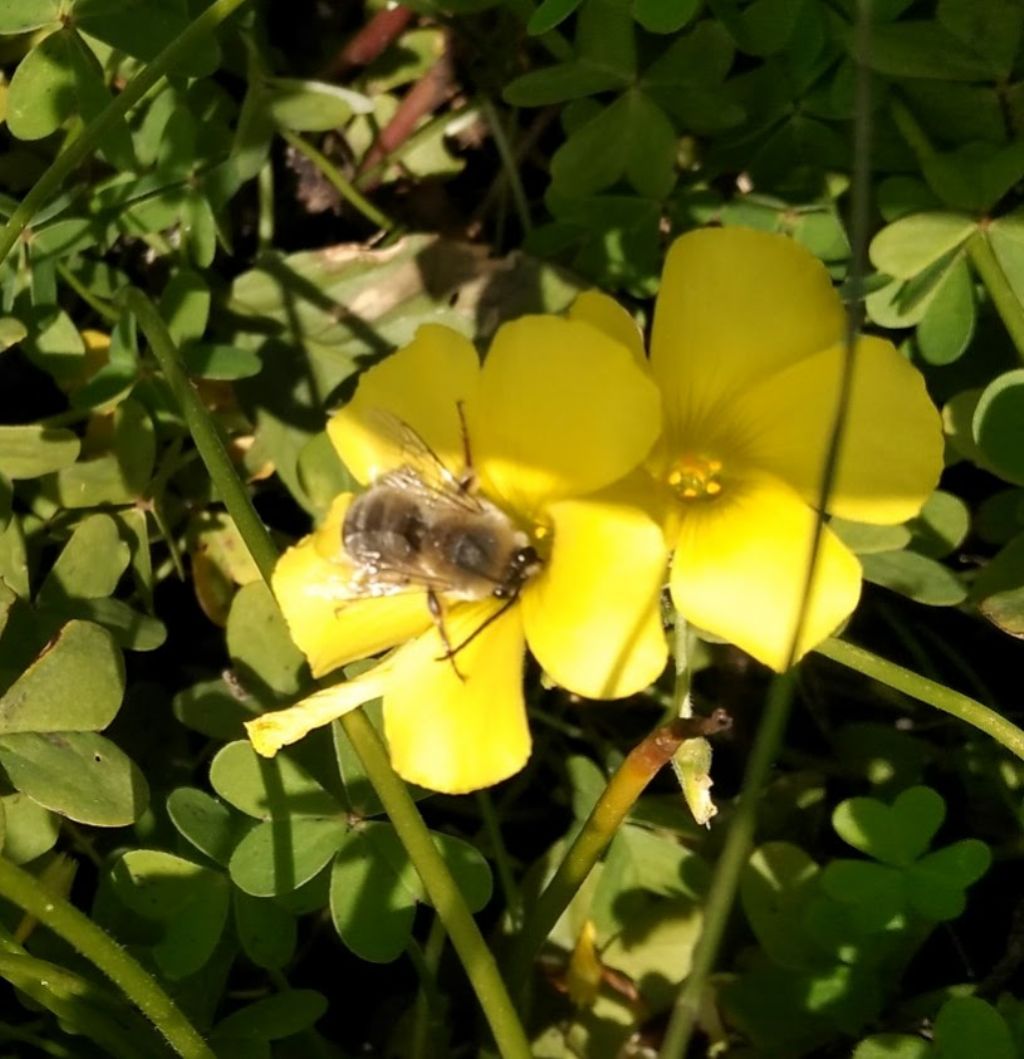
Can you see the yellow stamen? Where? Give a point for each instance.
(695, 477)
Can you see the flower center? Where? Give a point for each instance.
(696, 477)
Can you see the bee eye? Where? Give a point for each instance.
(525, 557)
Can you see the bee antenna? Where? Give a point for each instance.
(434, 606)
(451, 652)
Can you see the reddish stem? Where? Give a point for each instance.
(371, 41)
(432, 90)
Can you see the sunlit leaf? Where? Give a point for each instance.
(79, 775)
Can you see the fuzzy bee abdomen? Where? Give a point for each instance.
(383, 526)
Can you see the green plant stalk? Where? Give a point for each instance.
(740, 838)
(99, 305)
(444, 894)
(79, 1003)
(641, 765)
(265, 224)
(929, 691)
(79, 931)
(910, 129)
(204, 433)
(499, 854)
(344, 188)
(725, 880)
(401, 809)
(1007, 304)
(508, 161)
(42, 1047)
(682, 650)
(428, 1010)
(88, 140)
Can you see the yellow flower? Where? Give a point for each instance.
(747, 348)
(559, 412)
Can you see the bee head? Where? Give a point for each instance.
(522, 565)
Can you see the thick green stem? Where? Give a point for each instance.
(924, 690)
(204, 433)
(344, 188)
(725, 881)
(642, 764)
(91, 136)
(437, 880)
(444, 895)
(79, 931)
(1007, 304)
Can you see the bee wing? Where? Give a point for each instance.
(422, 472)
(384, 578)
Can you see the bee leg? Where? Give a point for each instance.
(434, 606)
(467, 480)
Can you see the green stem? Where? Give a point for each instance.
(265, 224)
(508, 161)
(99, 305)
(444, 895)
(506, 878)
(724, 882)
(924, 690)
(641, 765)
(910, 129)
(428, 1014)
(79, 931)
(1008, 305)
(204, 432)
(437, 880)
(344, 188)
(740, 837)
(43, 1047)
(682, 650)
(87, 142)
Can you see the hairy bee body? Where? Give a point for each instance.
(420, 527)
(403, 532)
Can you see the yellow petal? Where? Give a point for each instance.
(420, 385)
(740, 567)
(597, 309)
(314, 585)
(735, 306)
(456, 735)
(592, 615)
(891, 455)
(269, 733)
(562, 410)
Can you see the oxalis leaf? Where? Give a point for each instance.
(894, 834)
(375, 889)
(79, 775)
(188, 900)
(631, 139)
(75, 685)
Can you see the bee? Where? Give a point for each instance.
(420, 526)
